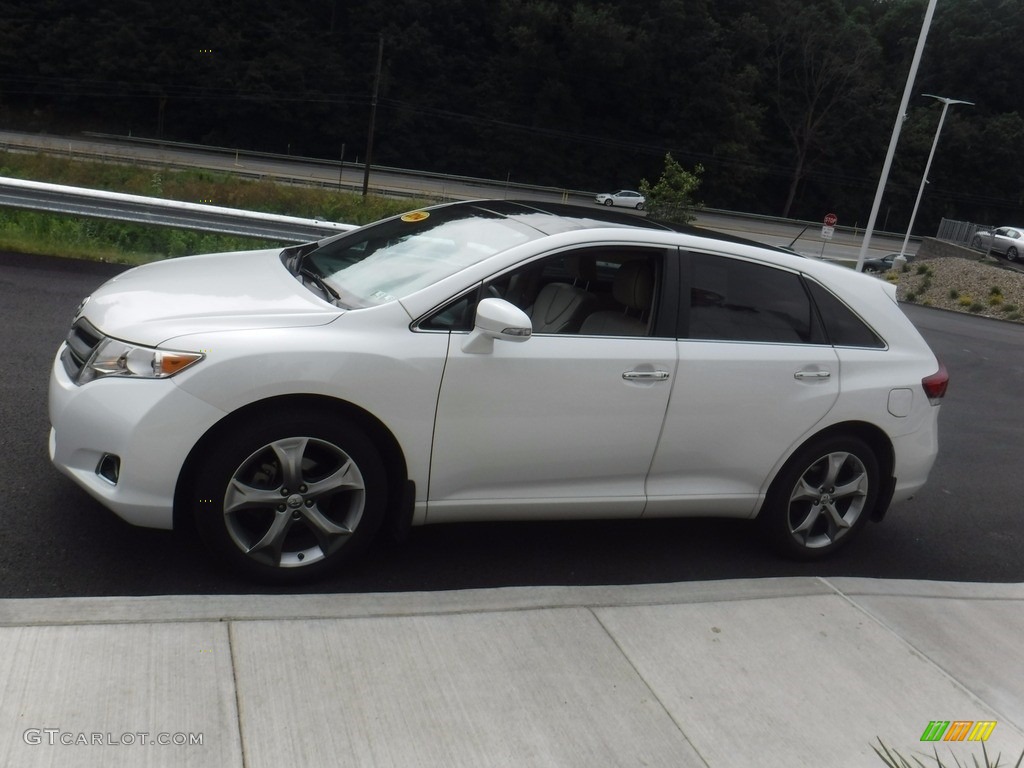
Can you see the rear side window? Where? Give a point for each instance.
(736, 300)
(843, 327)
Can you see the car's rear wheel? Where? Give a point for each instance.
(822, 498)
(290, 496)
(1011, 253)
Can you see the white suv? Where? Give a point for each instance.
(492, 361)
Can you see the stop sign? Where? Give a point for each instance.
(831, 219)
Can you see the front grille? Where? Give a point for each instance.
(82, 340)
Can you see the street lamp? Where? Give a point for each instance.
(924, 179)
(894, 139)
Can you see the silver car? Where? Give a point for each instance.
(1006, 241)
(626, 197)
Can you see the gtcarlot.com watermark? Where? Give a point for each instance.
(58, 737)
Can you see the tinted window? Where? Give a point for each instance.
(843, 327)
(735, 300)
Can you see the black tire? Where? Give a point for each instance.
(253, 521)
(1011, 253)
(822, 498)
(976, 243)
(609, 202)
(639, 206)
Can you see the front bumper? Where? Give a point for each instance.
(149, 425)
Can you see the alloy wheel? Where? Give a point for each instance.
(828, 499)
(294, 502)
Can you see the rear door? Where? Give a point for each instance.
(755, 375)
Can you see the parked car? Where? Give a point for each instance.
(625, 197)
(884, 263)
(1006, 241)
(492, 360)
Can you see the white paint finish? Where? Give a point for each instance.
(900, 402)
(792, 681)
(534, 688)
(156, 678)
(736, 412)
(980, 643)
(551, 419)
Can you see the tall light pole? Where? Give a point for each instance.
(894, 139)
(927, 166)
(373, 115)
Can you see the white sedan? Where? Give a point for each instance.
(492, 360)
(624, 197)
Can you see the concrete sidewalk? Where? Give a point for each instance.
(774, 672)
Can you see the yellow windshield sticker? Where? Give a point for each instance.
(415, 216)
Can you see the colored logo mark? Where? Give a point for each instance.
(958, 730)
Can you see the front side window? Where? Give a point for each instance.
(600, 291)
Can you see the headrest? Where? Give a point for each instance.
(634, 284)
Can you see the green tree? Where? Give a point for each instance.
(672, 198)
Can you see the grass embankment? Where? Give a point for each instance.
(25, 231)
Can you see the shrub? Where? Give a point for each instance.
(965, 301)
(924, 269)
(672, 197)
(995, 290)
(954, 294)
(976, 307)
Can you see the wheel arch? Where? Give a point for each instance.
(400, 497)
(876, 439)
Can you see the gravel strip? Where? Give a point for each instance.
(983, 288)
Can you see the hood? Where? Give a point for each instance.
(218, 292)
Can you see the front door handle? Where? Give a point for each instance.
(645, 375)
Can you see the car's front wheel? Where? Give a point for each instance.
(639, 206)
(290, 496)
(822, 498)
(609, 202)
(976, 243)
(1011, 253)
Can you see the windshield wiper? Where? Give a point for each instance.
(318, 280)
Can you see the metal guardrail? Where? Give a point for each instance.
(77, 201)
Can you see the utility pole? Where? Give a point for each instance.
(373, 114)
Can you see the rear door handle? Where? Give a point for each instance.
(645, 375)
(803, 375)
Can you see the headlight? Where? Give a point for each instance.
(117, 358)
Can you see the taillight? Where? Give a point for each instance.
(935, 385)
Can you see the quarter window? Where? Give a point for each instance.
(843, 327)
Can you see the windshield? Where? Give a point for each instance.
(394, 258)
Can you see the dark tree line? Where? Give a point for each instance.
(787, 104)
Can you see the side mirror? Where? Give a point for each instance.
(497, 319)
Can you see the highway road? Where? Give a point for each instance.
(966, 524)
(844, 245)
